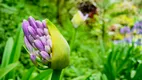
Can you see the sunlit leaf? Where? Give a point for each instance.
(45, 74)
(7, 69)
(138, 75)
(16, 51)
(7, 52)
(28, 74)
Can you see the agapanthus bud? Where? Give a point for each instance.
(45, 44)
(33, 58)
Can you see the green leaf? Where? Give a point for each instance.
(104, 77)
(7, 53)
(16, 51)
(17, 46)
(7, 69)
(28, 74)
(45, 74)
(7, 9)
(138, 75)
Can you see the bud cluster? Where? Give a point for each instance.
(37, 40)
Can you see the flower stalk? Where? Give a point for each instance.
(56, 74)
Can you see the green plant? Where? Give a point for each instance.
(122, 59)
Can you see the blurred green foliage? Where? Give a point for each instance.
(93, 56)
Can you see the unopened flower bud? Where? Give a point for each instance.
(33, 58)
(46, 45)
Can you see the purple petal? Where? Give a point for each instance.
(38, 44)
(28, 45)
(31, 39)
(33, 57)
(32, 31)
(37, 36)
(40, 32)
(44, 55)
(47, 49)
(44, 23)
(39, 24)
(25, 25)
(48, 37)
(32, 22)
(43, 40)
(49, 42)
(46, 31)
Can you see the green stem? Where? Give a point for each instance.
(56, 74)
(73, 38)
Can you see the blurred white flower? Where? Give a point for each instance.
(78, 18)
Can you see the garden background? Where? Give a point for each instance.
(100, 51)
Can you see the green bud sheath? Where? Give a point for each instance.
(60, 48)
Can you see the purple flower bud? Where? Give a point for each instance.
(48, 37)
(39, 24)
(25, 25)
(44, 23)
(43, 40)
(33, 57)
(39, 45)
(32, 22)
(28, 45)
(31, 39)
(32, 31)
(44, 55)
(49, 42)
(46, 31)
(37, 40)
(40, 32)
(125, 30)
(37, 36)
(47, 49)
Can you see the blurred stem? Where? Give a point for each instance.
(103, 20)
(60, 4)
(73, 38)
(56, 74)
(103, 24)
